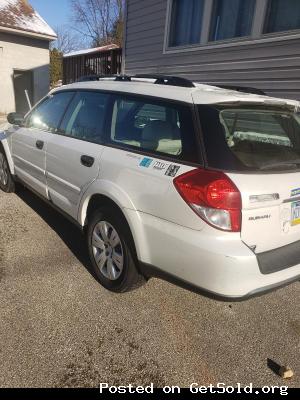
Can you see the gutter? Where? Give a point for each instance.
(20, 32)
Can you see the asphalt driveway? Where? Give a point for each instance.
(59, 327)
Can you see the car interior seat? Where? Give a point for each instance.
(161, 136)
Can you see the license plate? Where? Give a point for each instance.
(295, 213)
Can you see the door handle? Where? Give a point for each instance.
(39, 144)
(87, 161)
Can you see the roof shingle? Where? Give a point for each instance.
(19, 15)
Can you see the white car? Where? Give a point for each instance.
(192, 183)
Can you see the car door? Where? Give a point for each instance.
(29, 143)
(149, 143)
(73, 153)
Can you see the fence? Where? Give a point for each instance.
(101, 63)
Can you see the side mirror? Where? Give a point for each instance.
(15, 119)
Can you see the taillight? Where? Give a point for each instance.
(213, 196)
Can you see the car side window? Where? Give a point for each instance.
(48, 114)
(147, 112)
(86, 116)
(153, 126)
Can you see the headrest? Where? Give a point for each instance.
(158, 130)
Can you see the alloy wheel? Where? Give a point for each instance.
(108, 250)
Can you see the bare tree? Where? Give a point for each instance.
(100, 20)
(67, 41)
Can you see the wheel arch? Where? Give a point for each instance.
(99, 200)
(5, 147)
(103, 192)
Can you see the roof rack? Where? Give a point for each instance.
(167, 80)
(98, 77)
(123, 78)
(87, 78)
(159, 79)
(170, 81)
(243, 89)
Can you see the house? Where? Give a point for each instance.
(253, 43)
(24, 55)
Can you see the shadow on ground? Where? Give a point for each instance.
(71, 235)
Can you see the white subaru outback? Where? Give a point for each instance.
(192, 183)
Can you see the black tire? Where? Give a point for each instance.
(7, 184)
(129, 278)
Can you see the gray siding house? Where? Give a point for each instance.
(24, 55)
(225, 42)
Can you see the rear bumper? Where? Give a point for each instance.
(214, 263)
(149, 271)
(279, 259)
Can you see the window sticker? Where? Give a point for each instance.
(146, 162)
(172, 170)
(158, 165)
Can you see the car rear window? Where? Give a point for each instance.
(256, 138)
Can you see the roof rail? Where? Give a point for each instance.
(87, 78)
(167, 80)
(159, 79)
(243, 89)
(123, 78)
(170, 81)
(98, 77)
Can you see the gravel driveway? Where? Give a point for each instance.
(59, 327)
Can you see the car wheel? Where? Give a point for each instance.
(6, 180)
(111, 251)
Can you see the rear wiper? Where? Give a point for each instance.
(291, 163)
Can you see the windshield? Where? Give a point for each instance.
(239, 138)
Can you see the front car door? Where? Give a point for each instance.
(29, 143)
(73, 154)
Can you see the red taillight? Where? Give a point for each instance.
(213, 196)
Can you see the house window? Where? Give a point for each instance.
(209, 22)
(282, 15)
(231, 19)
(186, 22)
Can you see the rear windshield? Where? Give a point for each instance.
(257, 138)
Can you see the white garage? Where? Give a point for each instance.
(24, 55)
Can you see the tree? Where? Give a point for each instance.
(100, 20)
(56, 67)
(67, 41)
(117, 30)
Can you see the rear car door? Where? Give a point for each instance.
(73, 153)
(29, 143)
(149, 143)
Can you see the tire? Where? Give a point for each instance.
(7, 183)
(111, 251)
